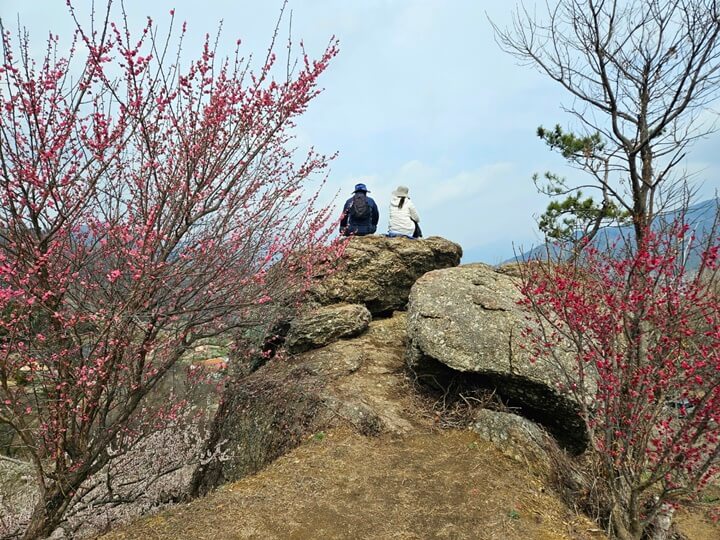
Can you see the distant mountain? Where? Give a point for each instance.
(700, 217)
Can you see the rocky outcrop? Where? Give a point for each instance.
(467, 319)
(358, 382)
(345, 368)
(318, 327)
(379, 271)
(460, 319)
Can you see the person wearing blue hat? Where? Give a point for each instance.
(360, 214)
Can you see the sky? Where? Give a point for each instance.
(420, 95)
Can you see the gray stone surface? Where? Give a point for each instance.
(318, 327)
(516, 436)
(467, 318)
(379, 271)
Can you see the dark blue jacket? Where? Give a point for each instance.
(349, 224)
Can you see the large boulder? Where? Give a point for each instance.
(379, 271)
(467, 319)
(326, 324)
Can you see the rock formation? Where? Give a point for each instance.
(358, 382)
(346, 369)
(379, 271)
(515, 436)
(467, 319)
(326, 324)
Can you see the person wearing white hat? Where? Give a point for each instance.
(404, 218)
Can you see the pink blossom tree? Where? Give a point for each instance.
(143, 202)
(644, 336)
(641, 330)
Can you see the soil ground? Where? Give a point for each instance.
(441, 484)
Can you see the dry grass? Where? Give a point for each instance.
(440, 484)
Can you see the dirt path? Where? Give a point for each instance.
(443, 484)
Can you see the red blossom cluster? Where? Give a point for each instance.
(644, 336)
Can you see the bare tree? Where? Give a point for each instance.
(641, 74)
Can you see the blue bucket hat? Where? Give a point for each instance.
(361, 187)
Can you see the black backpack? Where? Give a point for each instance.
(359, 209)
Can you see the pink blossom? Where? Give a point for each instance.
(113, 275)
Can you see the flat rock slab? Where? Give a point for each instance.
(515, 436)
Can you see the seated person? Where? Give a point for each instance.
(404, 219)
(360, 214)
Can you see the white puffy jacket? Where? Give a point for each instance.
(401, 219)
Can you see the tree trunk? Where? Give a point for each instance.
(623, 526)
(48, 512)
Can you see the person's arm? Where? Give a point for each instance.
(375, 214)
(413, 212)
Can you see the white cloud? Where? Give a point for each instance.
(440, 191)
